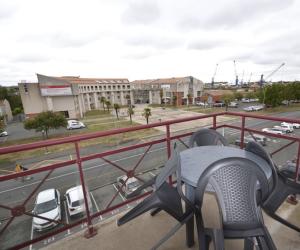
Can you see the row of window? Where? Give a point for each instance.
(103, 87)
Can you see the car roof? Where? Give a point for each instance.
(75, 193)
(124, 177)
(46, 195)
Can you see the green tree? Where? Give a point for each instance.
(130, 112)
(117, 107)
(17, 111)
(45, 121)
(238, 95)
(175, 100)
(103, 101)
(227, 99)
(108, 105)
(2, 123)
(188, 99)
(147, 114)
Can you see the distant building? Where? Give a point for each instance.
(71, 95)
(167, 90)
(5, 110)
(211, 96)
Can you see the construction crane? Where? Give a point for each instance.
(263, 80)
(249, 78)
(235, 74)
(213, 78)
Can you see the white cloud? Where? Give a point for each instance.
(148, 39)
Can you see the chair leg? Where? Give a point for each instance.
(218, 239)
(155, 211)
(284, 222)
(248, 244)
(268, 239)
(262, 243)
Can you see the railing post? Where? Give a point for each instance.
(243, 131)
(168, 139)
(214, 122)
(297, 163)
(91, 230)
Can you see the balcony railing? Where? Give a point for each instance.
(97, 180)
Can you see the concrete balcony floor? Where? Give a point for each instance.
(145, 231)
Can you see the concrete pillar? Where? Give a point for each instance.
(112, 98)
(80, 105)
(150, 97)
(122, 98)
(131, 97)
(49, 103)
(96, 100)
(88, 101)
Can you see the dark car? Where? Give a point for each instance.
(258, 138)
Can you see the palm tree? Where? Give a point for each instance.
(130, 112)
(117, 107)
(147, 114)
(103, 101)
(188, 99)
(108, 105)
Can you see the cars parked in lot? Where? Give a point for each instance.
(202, 104)
(126, 188)
(285, 128)
(273, 131)
(253, 108)
(47, 205)
(74, 124)
(249, 100)
(294, 125)
(75, 200)
(219, 104)
(233, 105)
(3, 133)
(258, 138)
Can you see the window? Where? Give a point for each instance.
(109, 87)
(123, 86)
(114, 87)
(88, 88)
(119, 86)
(128, 86)
(25, 88)
(92, 88)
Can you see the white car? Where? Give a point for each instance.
(47, 205)
(74, 124)
(285, 128)
(75, 200)
(245, 100)
(273, 131)
(127, 188)
(201, 104)
(294, 125)
(233, 105)
(3, 133)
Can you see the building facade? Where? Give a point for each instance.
(73, 96)
(179, 90)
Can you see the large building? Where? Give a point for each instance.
(176, 90)
(72, 96)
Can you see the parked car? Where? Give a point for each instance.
(74, 124)
(75, 200)
(233, 105)
(127, 188)
(273, 131)
(219, 104)
(245, 100)
(254, 108)
(3, 133)
(285, 128)
(248, 109)
(47, 205)
(294, 125)
(258, 138)
(202, 104)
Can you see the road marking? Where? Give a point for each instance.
(39, 164)
(97, 208)
(152, 174)
(67, 217)
(31, 235)
(7, 171)
(71, 157)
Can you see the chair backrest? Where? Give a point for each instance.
(258, 149)
(205, 137)
(235, 180)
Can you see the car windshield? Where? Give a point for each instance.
(76, 203)
(45, 206)
(132, 185)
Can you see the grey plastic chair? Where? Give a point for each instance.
(283, 186)
(165, 197)
(235, 183)
(205, 137)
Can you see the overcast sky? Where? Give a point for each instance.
(142, 39)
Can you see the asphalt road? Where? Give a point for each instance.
(100, 178)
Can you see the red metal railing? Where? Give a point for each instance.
(20, 209)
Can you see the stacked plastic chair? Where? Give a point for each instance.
(282, 188)
(165, 197)
(235, 181)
